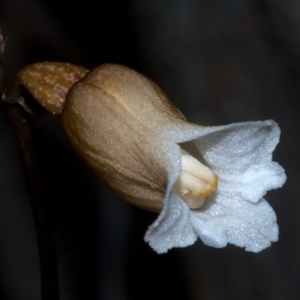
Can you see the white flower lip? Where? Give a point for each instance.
(241, 155)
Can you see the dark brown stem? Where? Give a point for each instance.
(22, 132)
(2, 47)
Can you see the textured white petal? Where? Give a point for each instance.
(242, 223)
(172, 228)
(210, 235)
(241, 155)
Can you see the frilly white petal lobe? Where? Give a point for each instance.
(172, 228)
(243, 223)
(241, 155)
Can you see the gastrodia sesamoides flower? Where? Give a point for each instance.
(206, 182)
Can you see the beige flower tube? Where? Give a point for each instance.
(122, 123)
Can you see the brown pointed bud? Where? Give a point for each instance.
(49, 82)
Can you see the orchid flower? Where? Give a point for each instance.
(206, 182)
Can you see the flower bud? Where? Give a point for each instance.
(49, 82)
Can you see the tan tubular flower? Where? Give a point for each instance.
(127, 130)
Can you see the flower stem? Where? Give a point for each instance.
(22, 132)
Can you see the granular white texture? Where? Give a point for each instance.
(241, 155)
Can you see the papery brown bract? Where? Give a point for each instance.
(49, 82)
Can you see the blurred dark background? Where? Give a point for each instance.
(220, 62)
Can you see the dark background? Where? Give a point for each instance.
(220, 62)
